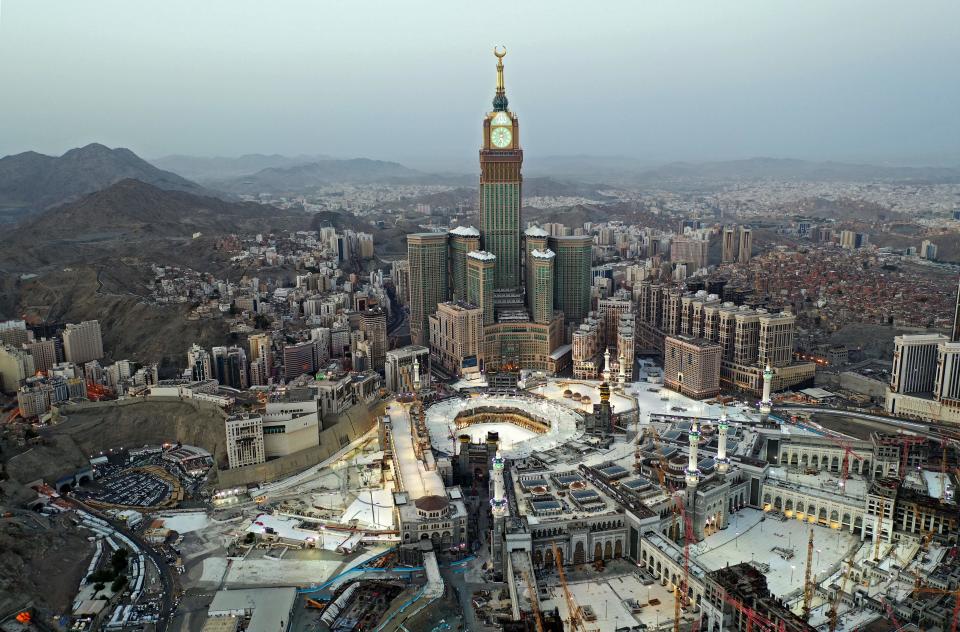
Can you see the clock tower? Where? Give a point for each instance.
(500, 186)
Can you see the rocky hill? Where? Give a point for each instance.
(30, 182)
(302, 178)
(205, 168)
(129, 215)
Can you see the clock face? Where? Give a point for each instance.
(501, 137)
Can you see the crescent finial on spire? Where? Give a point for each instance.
(500, 99)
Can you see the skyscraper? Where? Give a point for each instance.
(571, 277)
(373, 322)
(427, 255)
(729, 249)
(500, 186)
(199, 363)
(746, 245)
(481, 267)
(955, 335)
(540, 272)
(83, 342)
(463, 240)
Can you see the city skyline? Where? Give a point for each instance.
(657, 84)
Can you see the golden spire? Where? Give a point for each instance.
(500, 99)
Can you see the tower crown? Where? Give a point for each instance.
(500, 98)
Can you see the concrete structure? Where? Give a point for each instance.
(373, 323)
(44, 354)
(729, 245)
(456, 338)
(399, 365)
(245, 445)
(298, 359)
(692, 366)
(268, 609)
(745, 251)
(572, 280)
(427, 255)
(690, 249)
(82, 342)
(199, 363)
(480, 282)
(540, 284)
(16, 365)
(463, 240)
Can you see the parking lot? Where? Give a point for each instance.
(134, 488)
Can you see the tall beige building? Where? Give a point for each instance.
(244, 440)
(427, 255)
(729, 245)
(746, 245)
(692, 366)
(82, 342)
(587, 352)
(16, 365)
(456, 338)
(44, 354)
(689, 249)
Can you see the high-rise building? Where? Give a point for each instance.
(456, 338)
(587, 349)
(463, 240)
(14, 333)
(373, 323)
(481, 270)
(690, 249)
(540, 284)
(729, 247)
(500, 187)
(244, 440)
(298, 359)
(261, 358)
(16, 365)
(199, 363)
(44, 354)
(946, 387)
(915, 363)
(83, 342)
(571, 277)
(427, 255)
(400, 274)
(775, 339)
(746, 245)
(955, 334)
(400, 365)
(692, 366)
(230, 366)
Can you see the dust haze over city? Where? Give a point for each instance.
(356, 316)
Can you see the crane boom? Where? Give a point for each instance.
(575, 621)
(808, 580)
(534, 602)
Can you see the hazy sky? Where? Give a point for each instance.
(653, 79)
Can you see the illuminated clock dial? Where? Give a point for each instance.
(501, 137)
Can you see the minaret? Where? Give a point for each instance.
(693, 474)
(723, 463)
(606, 365)
(416, 374)
(499, 501)
(766, 403)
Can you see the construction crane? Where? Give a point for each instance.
(753, 617)
(845, 465)
(682, 593)
(878, 530)
(576, 619)
(835, 604)
(891, 614)
(808, 579)
(534, 602)
(956, 602)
